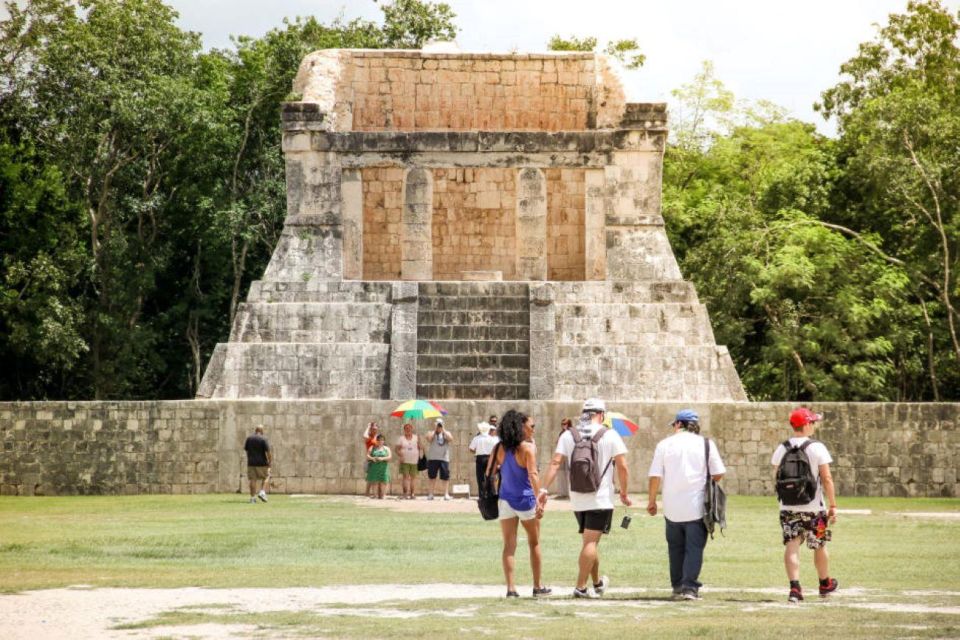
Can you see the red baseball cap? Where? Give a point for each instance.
(802, 417)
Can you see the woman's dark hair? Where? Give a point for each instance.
(511, 429)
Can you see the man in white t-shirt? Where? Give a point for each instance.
(680, 465)
(808, 522)
(594, 511)
(482, 445)
(408, 450)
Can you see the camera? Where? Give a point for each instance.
(625, 523)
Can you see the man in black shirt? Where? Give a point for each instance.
(259, 459)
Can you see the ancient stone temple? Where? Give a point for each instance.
(471, 226)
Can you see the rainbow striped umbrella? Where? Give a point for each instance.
(620, 423)
(418, 410)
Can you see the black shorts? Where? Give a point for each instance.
(595, 520)
(434, 466)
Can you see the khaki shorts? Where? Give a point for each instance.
(258, 473)
(408, 469)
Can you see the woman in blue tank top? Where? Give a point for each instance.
(515, 458)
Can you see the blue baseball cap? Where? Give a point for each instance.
(686, 415)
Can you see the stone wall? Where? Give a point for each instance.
(382, 221)
(195, 446)
(566, 198)
(416, 91)
(474, 222)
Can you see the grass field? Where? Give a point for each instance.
(900, 575)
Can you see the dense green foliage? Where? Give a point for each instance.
(830, 266)
(142, 188)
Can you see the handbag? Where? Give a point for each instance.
(489, 497)
(714, 499)
(422, 463)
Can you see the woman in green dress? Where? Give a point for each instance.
(378, 474)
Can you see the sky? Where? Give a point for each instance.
(778, 50)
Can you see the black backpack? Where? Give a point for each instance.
(796, 482)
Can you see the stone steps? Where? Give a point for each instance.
(473, 391)
(473, 318)
(486, 303)
(461, 289)
(312, 322)
(427, 333)
(478, 347)
(473, 340)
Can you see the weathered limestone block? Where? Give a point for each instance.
(403, 341)
(531, 225)
(351, 190)
(543, 342)
(417, 241)
(321, 80)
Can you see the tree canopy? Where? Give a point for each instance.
(142, 188)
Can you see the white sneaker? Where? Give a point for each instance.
(430, 497)
(253, 500)
(262, 495)
(587, 593)
(602, 586)
(446, 496)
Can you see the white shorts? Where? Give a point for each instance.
(507, 512)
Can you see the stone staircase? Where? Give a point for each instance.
(473, 340)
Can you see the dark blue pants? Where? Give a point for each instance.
(685, 544)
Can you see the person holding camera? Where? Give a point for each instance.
(680, 465)
(438, 458)
(516, 460)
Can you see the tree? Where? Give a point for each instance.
(806, 312)
(627, 52)
(142, 186)
(898, 110)
(409, 24)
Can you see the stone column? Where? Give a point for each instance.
(636, 240)
(543, 341)
(594, 235)
(416, 244)
(311, 244)
(351, 190)
(531, 225)
(403, 340)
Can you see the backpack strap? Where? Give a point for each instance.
(575, 432)
(596, 440)
(706, 452)
(493, 460)
(803, 448)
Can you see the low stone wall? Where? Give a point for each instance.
(195, 446)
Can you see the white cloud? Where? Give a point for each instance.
(786, 52)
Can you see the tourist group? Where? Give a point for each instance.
(590, 459)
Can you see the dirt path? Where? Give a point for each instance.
(84, 612)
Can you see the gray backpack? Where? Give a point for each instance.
(585, 475)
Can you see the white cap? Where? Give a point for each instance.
(595, 405)
(439, 420)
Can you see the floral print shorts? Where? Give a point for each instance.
(813, 525)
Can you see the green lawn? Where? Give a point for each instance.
(221, 541)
